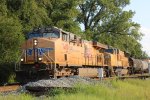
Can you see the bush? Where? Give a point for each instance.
(7, 73)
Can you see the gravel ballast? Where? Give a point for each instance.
(65, 82)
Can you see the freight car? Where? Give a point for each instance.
(53, 52)
(138, 66)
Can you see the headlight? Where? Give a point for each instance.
(40, 59)
(35, 42)
(21, 59)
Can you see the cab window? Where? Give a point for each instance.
(109, 51)
(64, 36)
(112, 51)
(44, 33)
(52, 34)
(34, 34)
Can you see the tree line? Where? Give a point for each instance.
(105, 21)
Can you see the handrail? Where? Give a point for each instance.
(51, 64)
(49, 58)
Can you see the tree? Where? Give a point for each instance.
(106, 21)
(11, 35)
(11, 38)
(37, 13)
(3, 8)
(93, 12)
(29, 14)
(63, 14)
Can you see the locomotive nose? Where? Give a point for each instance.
(36, 49)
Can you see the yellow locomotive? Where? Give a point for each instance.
(53, 52)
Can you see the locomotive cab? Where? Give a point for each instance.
(117, 60)
(38, 54)
(110, 57)
(39, 42)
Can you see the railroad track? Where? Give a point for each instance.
(9, 87)
(136, 76)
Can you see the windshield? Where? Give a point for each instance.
(34, 34)
(44, 33)
(109, 51)
(112, 51)
(51, 34)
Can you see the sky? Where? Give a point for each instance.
(142, 16)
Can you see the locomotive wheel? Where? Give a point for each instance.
(131, 70)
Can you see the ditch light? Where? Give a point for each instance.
(35, 42)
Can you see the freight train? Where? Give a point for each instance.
(53, 52)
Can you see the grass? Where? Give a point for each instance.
(111, 90)
(17, 97)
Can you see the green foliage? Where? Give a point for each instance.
(114, 90)
(106, 21)
(37, 13)
(11, 38)
(93, 12)
(3, 8)
(63, 14)
(58, 91)
(18, 97)
(29, 14)
(6, 73)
